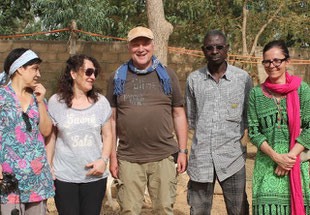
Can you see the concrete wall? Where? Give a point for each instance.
(110, 56)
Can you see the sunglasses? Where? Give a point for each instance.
(27, 122)
(212, 48)
(89, 72)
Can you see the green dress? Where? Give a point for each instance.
(271, 193)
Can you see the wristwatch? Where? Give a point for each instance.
(106, 160)
(185, 151)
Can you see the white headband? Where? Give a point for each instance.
(22, 60)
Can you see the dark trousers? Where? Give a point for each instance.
(79, 198)
(200, 195)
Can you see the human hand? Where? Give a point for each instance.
(285, 161)
(280, 171)
(53, 173)
(98, 167)
(40, 91)
(114, 167)
(1, 176)
(182, 163)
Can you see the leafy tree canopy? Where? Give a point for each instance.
(14, 15)
(191, 19)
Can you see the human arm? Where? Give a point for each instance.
(112, 100)
(113, 157)
(284, 161)
(50, 148)
(303, 141)
(45, 123)
(190, 105)
(98, 166)
(254, 131)
(1, 176)
(247, 90)
(180, 127)
(304, 97)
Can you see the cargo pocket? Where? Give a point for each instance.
(173, 190)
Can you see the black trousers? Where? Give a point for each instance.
(79, 198)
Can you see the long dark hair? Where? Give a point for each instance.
(65, 83)
(279, 44)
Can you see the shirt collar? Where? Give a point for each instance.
(227, 75)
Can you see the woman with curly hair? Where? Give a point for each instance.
(80, 145)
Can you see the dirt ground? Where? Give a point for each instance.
(181, 207)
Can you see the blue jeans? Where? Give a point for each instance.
(200, 195)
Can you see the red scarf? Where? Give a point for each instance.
(293, 112)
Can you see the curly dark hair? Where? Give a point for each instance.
(65, 83)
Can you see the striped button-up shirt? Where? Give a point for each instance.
(218, 114)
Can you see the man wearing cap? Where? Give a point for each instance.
(147, 106)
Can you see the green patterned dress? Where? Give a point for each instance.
(271, 193)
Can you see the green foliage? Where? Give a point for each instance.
(129, 14)
(191, 19)
(91, 16)
(14, 15)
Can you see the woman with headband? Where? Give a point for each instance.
(26, 176)
(80, 145)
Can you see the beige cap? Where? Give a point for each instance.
(140, 32)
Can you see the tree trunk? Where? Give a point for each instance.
(160, 27)
(243, 30)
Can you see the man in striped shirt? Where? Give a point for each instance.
(216, 102)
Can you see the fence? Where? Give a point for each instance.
(112, 54)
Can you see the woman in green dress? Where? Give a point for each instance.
(279, 125)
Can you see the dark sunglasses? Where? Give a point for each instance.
(212, 48)
(27, 122)
(90, 71)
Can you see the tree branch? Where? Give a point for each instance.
(243, 30)
(264, 27)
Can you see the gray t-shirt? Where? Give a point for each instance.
(79, 140)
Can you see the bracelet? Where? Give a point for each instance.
(106, 160)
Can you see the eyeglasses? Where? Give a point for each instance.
(276, 62)
(27, 122)
(90, 71)
(212, 48)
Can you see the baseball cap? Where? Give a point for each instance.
(140, 32)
